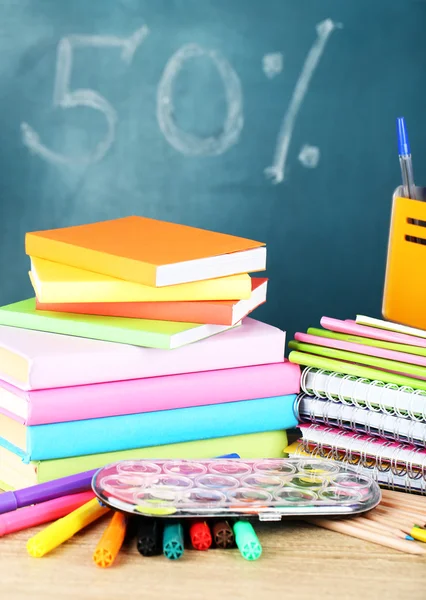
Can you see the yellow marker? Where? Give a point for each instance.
(63, 529)
(111, 541)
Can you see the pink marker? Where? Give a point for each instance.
(27, 517)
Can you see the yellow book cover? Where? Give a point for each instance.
(55, 282)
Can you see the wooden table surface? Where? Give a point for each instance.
(298, 560)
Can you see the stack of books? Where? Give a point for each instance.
(138, 345)
(363, 398)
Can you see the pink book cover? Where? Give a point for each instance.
(353, 328)
(152, 394)
(412, 359)
(60, 361)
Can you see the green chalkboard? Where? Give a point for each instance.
(271, 119)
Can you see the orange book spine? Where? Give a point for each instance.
(218, 313)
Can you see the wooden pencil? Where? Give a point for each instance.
(402, 497)
(346, 528)
(380, 527)
(405, 506)
(407, 514)
(386, 520)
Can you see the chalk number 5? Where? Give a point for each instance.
(64, 98)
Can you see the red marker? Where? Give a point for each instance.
(201, 538)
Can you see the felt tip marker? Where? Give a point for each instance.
(58, 532)
(246, 540)
(111, 541)
(149, 536)
(201, 538)
(223, 535)
(173, 541)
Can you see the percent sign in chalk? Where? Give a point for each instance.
(184, 142)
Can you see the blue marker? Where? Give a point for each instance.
(409, 189)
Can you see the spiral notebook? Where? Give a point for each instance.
(361, 420)
(392, 463)
(388, 479)
(376, 395)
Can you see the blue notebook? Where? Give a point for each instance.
(93, 436)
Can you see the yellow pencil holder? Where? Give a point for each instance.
(404, 296)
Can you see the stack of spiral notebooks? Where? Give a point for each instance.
(363, 398)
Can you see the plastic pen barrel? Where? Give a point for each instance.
(201, 538)
(111, 541)
(30, 516)
(63, 529)
(149, 535)
(246, 540)
(223, 535)
(173, 540)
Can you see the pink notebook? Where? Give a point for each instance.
(149, 394)
(353, 328)
(33, 360)
(412, 359)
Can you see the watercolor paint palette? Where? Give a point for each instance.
(267, 488)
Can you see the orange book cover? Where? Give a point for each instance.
(148, 251)
(213, 312)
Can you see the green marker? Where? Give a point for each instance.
(246, 540)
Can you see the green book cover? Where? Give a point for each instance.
(356, 339)
(348, 368)
(14, 473)
(363, 359)
(136, 332)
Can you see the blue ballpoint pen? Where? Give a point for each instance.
(409, 189)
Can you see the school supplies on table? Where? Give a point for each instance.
(43, 512)
(143, 332)
(224, 488)
(81, 387)
(62, 530)
(111, 541)
(170, 253)
(365, 378)
(216, 312)
(16, 474)
(56, 283)
(150, 394)
(75, 438)
(33, 360)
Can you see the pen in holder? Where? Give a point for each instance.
(404, 296)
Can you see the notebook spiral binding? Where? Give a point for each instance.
(387, 459)
(350, 422)
(384, 478)
(366, 403)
